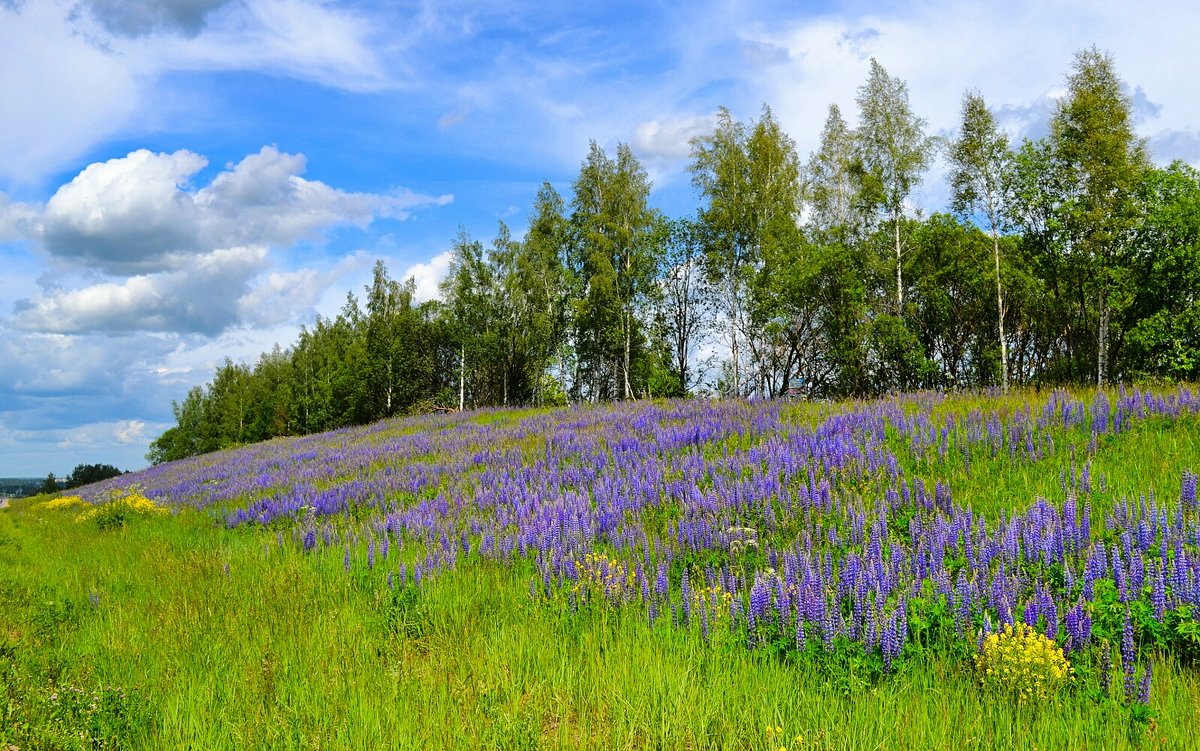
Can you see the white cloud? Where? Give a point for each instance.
(78, 72)
(202, 297)
(94, 436)
(312, 41)
(127, 213)
(129, 431)
(1169, 145)
(428, 276)
(138, 213)
(61, 94)
(17, 220)
(668, 139)
(290, 297)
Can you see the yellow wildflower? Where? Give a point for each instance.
(1023, 663)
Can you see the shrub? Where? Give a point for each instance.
(120, 506)
(1022, 663)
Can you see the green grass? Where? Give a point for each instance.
(220, 639)
(187, 635)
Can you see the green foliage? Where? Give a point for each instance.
(86, 474)
(106, 717)
(1068, 260)
(50, 485)
(615, 261)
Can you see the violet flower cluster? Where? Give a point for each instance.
(820, 526)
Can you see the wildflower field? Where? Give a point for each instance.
(924, 571)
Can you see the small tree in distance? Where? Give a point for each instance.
(86, 474)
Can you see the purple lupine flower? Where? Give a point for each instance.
(309, 541)
(1144, 687)
(1079, 627)
(1049, 611)
(1030, 616)
(760, 602)
(1187, 492)
(1128, 657)
(962, 597)
(1121, 577)
(801, 642)
(1158, 592)
(1145, 535)
(346, 559)
(661, 583)
(942, 497)
(371, 554)
(1137, 574)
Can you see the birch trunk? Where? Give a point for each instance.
(1000, 313)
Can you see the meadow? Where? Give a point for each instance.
(922, 571)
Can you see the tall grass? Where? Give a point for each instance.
(177, 632)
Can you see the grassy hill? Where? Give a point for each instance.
(757, 575)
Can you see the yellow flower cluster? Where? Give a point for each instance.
(605, 578)
(124, 501)
(1023, 663)
(66, 501)
(715, 599)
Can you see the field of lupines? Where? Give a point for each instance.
(921, 571)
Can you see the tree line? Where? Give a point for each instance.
(1067, 259)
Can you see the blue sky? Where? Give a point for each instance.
(182, 180)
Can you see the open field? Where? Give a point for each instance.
(699, 575)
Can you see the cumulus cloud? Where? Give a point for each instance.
(129, 431)
(287, 297)
(98, 436)
(428, 276)
(203, 297)
(131, 213)
(668, 139)
(36, 365)
(765, 53)
(138, 213)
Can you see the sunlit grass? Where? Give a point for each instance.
(224, 638)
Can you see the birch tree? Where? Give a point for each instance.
(981, 162)
(893, 153)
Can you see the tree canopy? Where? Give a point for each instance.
(1062, 260)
